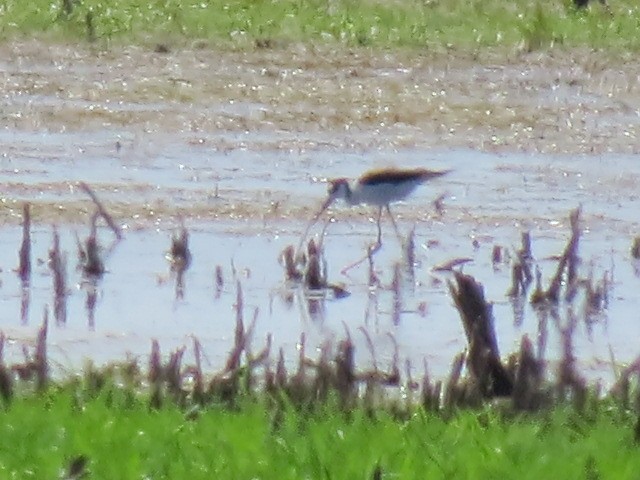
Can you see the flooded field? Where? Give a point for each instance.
(237, 147)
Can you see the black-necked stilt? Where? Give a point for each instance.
(377, 188)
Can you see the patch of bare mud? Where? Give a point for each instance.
(551, 102)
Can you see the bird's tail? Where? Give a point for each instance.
(426, 174)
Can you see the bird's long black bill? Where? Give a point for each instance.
(313, 221)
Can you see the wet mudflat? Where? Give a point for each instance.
(236, 146)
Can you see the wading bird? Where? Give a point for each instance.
(377, 188)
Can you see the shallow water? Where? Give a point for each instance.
(246, 173)
(489, 200)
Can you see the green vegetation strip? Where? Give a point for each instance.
(431, 24)
(113, 433)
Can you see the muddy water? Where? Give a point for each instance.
(237, 146)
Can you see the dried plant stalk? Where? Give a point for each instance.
(477, 319)
(24, 266)
(57, 263)
(103, 211)
(568, 261)
(6, 379)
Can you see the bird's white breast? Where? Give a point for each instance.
(380, 194)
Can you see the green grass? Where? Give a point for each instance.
(431, 24)
(122, 438)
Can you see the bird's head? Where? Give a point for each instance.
(338, 189)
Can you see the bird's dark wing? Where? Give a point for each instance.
(397, 175)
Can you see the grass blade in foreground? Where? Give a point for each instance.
(116, 435)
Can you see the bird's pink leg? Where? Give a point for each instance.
(395, 225)
(372, 250)
(376, 246)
